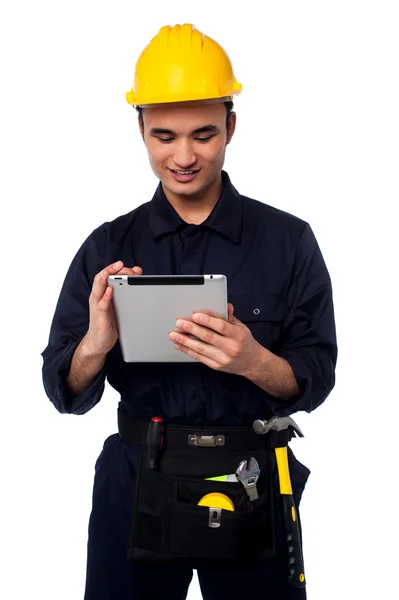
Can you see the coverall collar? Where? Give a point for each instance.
(226, 216)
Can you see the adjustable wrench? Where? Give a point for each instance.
(247, 473)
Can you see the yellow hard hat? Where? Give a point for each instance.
(181, 64)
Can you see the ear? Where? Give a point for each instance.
(232, 127)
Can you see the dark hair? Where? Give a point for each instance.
(229, 109)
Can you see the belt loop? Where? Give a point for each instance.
(278, 439)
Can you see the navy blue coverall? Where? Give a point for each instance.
(280, 288)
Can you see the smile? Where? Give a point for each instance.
(184, 176)
(184, 172)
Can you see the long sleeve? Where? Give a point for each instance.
(69, 325)
(309, 338)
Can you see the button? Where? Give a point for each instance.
(256, 311)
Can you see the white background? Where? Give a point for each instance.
(317, 136)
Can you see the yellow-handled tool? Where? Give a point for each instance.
(296, 571)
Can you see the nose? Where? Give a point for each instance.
(184, 156)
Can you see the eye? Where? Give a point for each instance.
(165, 140)
(204, 139)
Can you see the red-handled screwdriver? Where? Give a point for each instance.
(154, 442)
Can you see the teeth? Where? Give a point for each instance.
(184, 172)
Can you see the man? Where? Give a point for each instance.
(275, 355)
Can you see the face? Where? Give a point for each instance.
(186, 145)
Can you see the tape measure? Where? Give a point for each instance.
(216, 500)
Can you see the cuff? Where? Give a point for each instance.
(59, 393)
(283, 407)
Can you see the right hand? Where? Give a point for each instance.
(102, 333)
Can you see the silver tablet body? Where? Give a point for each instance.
(147, 306)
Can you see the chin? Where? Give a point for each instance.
(184, 189)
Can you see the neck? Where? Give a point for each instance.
(195, 208)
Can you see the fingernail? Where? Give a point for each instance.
(115, 265)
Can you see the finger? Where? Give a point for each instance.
(230, 310)
(127, 271)
(100, 283)
(105, 301)
(231, 318)
(215, 314)
(203, 333)
(219, 325)
(133, 271)
(209, 362)
(198, 346)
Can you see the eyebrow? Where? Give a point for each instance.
(205, 129)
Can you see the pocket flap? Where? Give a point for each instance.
(253, 308)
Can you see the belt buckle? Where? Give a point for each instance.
(206, 441)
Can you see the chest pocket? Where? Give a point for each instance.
(263, 315)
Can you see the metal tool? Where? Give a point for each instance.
(276, 424)
(296, 571)
(248, 473)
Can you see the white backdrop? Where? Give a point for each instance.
(317, 136)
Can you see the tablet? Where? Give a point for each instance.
(147, 307)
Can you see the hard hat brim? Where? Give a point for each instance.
(185, 103)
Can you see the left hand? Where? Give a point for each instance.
(223, 345)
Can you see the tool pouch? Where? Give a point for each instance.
(169, 526)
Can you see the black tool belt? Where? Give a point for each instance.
(167, 523)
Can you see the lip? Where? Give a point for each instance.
(184, 178)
